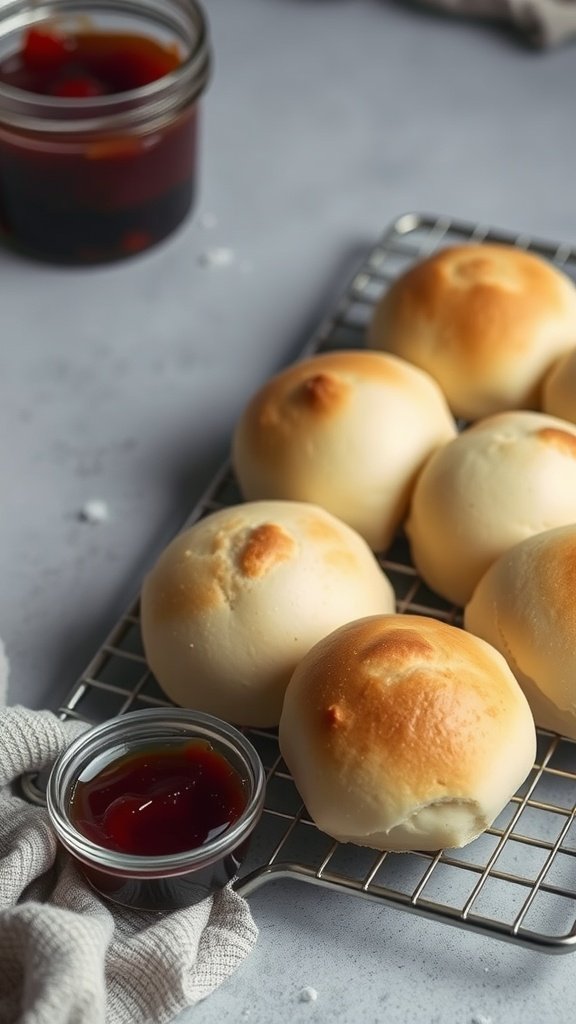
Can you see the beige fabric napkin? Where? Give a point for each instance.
(67, 957)
(543, 23)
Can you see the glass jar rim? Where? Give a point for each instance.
(145, 105)
(149, 723)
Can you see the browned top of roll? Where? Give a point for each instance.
(401, 733)
(411, 691)
(471, 315)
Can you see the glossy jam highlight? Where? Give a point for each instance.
(164, 799)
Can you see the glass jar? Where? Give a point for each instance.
(166, 881)
(91, 178)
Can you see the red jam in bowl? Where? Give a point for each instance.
(162, 800)
(157, 806)
(98, 137)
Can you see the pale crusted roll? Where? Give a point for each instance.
(346, 430)
(502, 480)
(236, 600)
(559, 390)
(402, 732)
(525, 605)
(486, 321)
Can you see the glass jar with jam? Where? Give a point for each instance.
(157, 806)
(98, 124)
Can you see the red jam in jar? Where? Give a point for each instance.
(98, 129)
(85, 64)
(162, 800)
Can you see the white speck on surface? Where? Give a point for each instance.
(219, 256)
(308, 995)
(480, 1018)
(4, 671)
(208, 221)
(95, 511)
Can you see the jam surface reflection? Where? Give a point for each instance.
(164, 799)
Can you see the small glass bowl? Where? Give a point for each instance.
(166, 882)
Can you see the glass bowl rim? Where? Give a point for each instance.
(187, 723)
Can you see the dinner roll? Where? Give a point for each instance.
(504, 479)
(559, 389)
(486, 321)
(525, 606)
(236, 600)
(402, 732)
(347, 430)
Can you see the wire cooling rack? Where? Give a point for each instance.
(518, 880)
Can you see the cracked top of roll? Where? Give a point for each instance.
(238, 598)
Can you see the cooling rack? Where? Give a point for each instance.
(516, 882)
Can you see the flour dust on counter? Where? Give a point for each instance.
(308, 995)
(94, 511)
(217, 257)
(220, 257)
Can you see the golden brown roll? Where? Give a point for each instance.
(525, 605)
(559, 388)
(236, 600)
(486, 321)
(346, 430)
(502, 480)
(402, 732)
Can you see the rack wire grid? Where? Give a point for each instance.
(517, 881)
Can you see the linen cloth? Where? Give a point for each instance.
(68, 957)
(542, 23)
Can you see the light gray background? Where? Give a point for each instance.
(324, 121)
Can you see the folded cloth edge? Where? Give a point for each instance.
(542, 23)
(143, 968)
